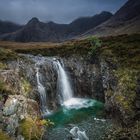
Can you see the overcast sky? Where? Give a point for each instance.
(60, 11)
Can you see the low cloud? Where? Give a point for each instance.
(60, 11)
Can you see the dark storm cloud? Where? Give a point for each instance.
(61, 11)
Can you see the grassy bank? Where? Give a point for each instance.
(120, 45)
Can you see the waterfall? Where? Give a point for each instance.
(64, 86)
(65, 91)
(42, 91)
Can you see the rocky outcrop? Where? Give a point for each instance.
(121, 88)
(85, 76)
(11, 81)
(15, 102)
(16, 109)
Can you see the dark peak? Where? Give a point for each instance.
(130, 10)
(105, 13)
(34, 20)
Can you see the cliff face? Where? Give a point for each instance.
(16, 106)
(85, 76)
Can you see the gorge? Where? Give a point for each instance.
(59, 100)
(78, 93)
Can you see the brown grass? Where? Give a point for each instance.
(31, 45)
(34, 45)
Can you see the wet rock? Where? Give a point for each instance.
(85, 76)
(18, 104)
(17, 108)
(12, 124)
(11, 106)
(11, 81)
(20, 137)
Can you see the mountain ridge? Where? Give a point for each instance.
(36, 31)
(125, 21)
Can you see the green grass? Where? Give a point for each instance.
(7, 54)
(124, 53)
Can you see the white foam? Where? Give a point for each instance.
(77, 103)
(96, 119)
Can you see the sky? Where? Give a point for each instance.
(59, 11)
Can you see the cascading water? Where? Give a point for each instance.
(77, 134)
(78, 111)
(64, 86)
(65, 90)
(41, 90)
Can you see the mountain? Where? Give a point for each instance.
(36, 31)
(125, 21)
(8, 27)
(83, 24)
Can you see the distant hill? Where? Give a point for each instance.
(125, 21)
(8, 27)
(36, 31)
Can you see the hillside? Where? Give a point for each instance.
(8, 27)
(125, 21)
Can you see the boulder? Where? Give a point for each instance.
(16, 109)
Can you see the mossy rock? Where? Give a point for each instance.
(2, 66)
(31, 130)
(5, 89)
(26, 86)
(127, 82)
(2, 86)
(121, 53)
(4, 136)
(7, 54)
(123, 133)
